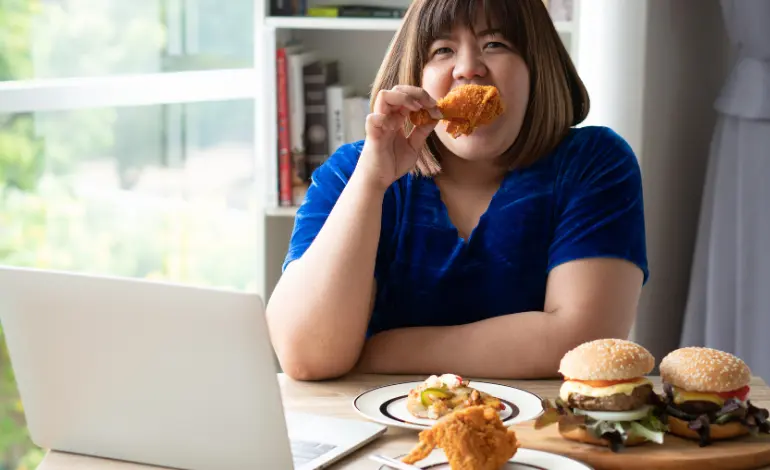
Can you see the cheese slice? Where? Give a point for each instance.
(681, 396)
(569, 387)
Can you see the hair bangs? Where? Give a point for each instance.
(438, 18)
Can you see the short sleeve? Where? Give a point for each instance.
(327, 183)
(599, 202)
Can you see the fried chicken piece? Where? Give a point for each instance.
(464, 109)
(473, 438)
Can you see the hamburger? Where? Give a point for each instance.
(706, 396)
(605, 398)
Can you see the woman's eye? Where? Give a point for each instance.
(442, 50)
(495, 44)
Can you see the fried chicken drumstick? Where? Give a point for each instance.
(473, 438)
(464, 109)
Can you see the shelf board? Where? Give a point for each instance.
(360, 24)
(281, 211)
(311, 22)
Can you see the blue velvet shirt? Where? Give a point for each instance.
(582, 200)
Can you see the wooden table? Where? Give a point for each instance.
(334, 398)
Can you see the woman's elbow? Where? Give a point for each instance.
(312, 368)
(304, 358)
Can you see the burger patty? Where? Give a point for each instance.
(698, 407)
(617, 402)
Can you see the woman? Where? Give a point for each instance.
(504, 250)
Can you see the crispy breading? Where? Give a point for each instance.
(473, 438)
(464, 109)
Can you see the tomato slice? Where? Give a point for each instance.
(740, 393)
(603, 383)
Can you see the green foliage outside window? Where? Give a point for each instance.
(20, 166)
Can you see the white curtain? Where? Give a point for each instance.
(729, 298)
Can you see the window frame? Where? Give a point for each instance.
(36, 95)
(168, 88)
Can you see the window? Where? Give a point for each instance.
(148, 191)
(127, 147)
(80, 38)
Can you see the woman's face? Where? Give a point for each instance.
(486, 58)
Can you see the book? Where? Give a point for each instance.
(318, 76)
(298, 62)
(281, 7)
(285, 197)
(287, 7)
(335, 115)
(356, 110)
(356, 11)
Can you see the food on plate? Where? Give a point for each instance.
(473, 438)
(440, 395)
(605, 398)
(464, 109)
(706, 393)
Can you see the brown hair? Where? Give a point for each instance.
(558, 98)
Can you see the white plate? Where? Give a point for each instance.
(524, 459)
(387, 404)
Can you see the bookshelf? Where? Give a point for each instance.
(334, 24)
(358, 46)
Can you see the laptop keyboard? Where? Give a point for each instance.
(304, 451)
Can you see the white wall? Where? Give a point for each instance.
(654, 68)
(611, 59)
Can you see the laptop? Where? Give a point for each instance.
(158, 373)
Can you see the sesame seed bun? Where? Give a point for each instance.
(607, 359)
(580, 434)
(699, 369)
(679, 428)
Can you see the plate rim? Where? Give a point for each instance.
(581, 464)
(425, 426)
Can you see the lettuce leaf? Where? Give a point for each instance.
(651, 427)
(647, 433)
(733, 410)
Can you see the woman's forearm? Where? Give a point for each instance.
(319, 311)
(520, 346)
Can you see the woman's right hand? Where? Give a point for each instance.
(388, 152)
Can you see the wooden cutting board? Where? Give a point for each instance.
(675, 453)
